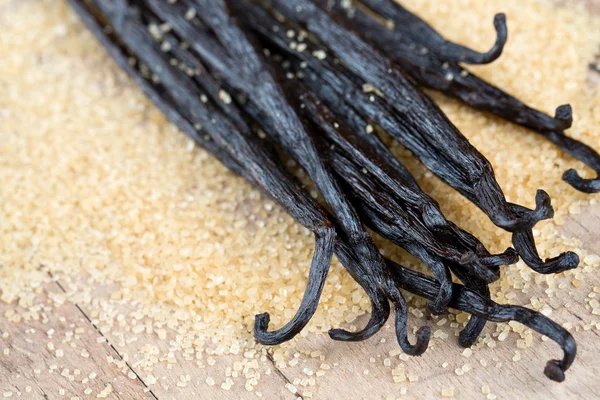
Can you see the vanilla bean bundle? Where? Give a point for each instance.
(205, 69)
(422, 127)
(437, 67)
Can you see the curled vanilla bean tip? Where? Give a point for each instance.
(543, 205)
(380, 312)
(583, 153)
(502, 36)
(316, 281)
(421, 32)
(563, 262)
(261, 323)
(553, 371)
(554, 265)
(564, 116)
(524, 219)
(455, 52)
(422, 336)
(500, 24)
(573, 178)
(524, 242)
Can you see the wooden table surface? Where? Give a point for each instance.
(90, 362)
(86, 364)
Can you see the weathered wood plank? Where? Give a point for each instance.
(174, 373)
(56, 353)
(586, 227)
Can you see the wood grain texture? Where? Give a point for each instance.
(172, 376)
(586, 227)
(56, 353)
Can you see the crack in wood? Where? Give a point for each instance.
(89, 320)
(280, 373)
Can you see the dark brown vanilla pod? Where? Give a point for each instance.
(415, 121)
(433, 70)
(421, 32)
(583, 153)
(244, 71)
